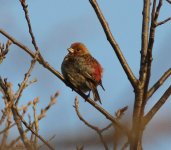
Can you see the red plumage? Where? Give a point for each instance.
(82, 70)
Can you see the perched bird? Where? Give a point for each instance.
(82, 70)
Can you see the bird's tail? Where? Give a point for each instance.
(96, 95)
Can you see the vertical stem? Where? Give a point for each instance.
(138, 111)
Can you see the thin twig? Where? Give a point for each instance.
(157, 106)
(40, 116)
(4, 114)
(4, 50)
(159, 83)
(106, 128)
(5, 135)
(76, 106)
(28, 127)
(7, 90)
(25, 6)
(164, 21)
(113, 43)
(36, 121)
(50, 139)
(24, 82)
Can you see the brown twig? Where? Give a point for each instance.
(114, 44)
(159, 83)
(24, 82)
(30, 129)
(7, 128)
(7, 90)
(141, 88)
(76, 106)
(5, 135)
(50, 139)
(25, 6)
(4, 114)
(164, 21)
(157, 106)
(40, 116)
(4, 50)
(36, 121)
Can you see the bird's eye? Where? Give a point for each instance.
(78, 50)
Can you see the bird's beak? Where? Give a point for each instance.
(70, 50)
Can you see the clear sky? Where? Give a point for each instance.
(58, 23)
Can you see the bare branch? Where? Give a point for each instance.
(144, 38)
(36, 121)
(164, 21)
(157, 106)
(114, 44)
(28, 127)
(24, 82)
(6, 87)
(76, 106)
(40, 116)
(25, 6)
(159, 83)
(6, 132)
(4, 50)
(7, 128)
(4, 114)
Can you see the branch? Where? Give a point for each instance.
(144, 39)
(164, 21)
(5, 135)
(4, 50)
(114, 44)
(28, 127)
(36, 100)
(24, 82)
(7, 90)
(56, 73)
(159, 83)
(157, 106)
(76, 106)
(40, 116)
(155, 14)
(25, 6)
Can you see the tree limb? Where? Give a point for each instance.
(76, 106)
(114, 44)
(157, 106)
(159, 83)
(164, 21)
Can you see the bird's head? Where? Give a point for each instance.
(78, 49)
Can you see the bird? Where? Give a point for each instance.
(82, 70)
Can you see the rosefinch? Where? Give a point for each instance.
(82, 70)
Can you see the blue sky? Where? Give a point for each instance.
(56, 24)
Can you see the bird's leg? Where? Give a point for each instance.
(88, 95)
